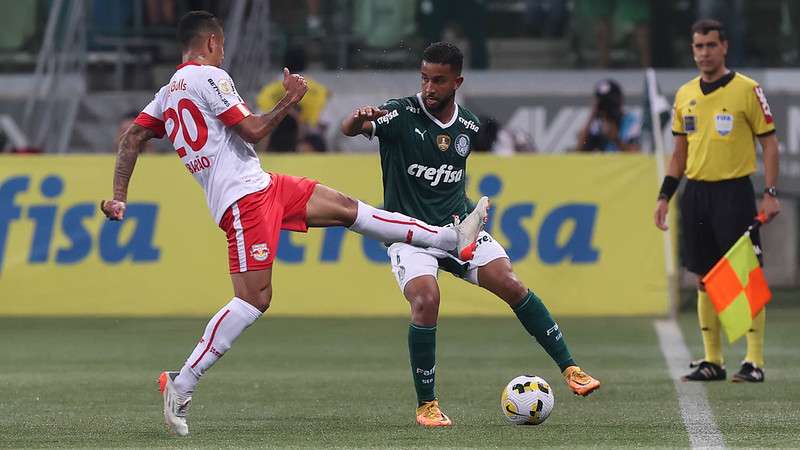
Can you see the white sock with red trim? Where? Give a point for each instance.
(222, 330)
(393, 227)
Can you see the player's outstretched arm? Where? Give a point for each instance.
(131, 144)
(255, 128)
(359, 121)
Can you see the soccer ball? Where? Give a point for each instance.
(527, 400)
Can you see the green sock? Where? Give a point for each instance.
(422, 350)
(536, 319)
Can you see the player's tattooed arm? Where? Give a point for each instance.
(360, 121)
(255, 128)
(130, 145)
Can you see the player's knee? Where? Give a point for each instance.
(512, 290)
(346, 207)
(260, 298)
(264, 298)
(349, 207)
(425, 304)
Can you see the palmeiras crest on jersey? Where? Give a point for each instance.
(462, 144)
(260, 252)
(443, 142)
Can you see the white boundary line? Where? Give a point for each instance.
(695, 410)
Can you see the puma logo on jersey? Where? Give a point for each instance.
(444, 174)
(420, 133)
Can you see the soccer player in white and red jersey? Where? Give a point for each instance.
(213, 132)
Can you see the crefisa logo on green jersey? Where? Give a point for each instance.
(383, 120)
(469, 124)
(443, 174)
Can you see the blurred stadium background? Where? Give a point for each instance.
(578, 224)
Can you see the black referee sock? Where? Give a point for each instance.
(537, 320)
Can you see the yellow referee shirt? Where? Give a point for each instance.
(311, 105)
(721, 125)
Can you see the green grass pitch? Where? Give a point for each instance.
(323, 383)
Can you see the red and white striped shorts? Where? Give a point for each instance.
(253, 223)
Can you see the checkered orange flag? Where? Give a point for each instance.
(737, 287)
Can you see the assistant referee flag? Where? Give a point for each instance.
(737, 287)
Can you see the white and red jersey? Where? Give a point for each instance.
(196, 110)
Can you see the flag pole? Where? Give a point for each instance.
(658, 144)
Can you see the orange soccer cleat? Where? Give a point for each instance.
(430, 415)
(580, 382)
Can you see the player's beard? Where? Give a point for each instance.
(441, 103)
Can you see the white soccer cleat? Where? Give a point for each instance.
(175, 406)
(469, 228)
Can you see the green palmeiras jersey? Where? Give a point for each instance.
(424, 161)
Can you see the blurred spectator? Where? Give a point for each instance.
(513, 140)
(790, 32)
(548, 17)
(291, 20)
(383, 23)
(160, 12)
(501, 140)
(730, 13)
(469, 15)
(487, 135)
(610, 128)
(313, 19)
(617, 20)
(303, 129)
(18, 23)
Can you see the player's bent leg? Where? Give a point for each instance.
(498, 277)
(327, 207)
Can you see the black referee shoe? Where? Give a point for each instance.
(705, 371)
(749, 373)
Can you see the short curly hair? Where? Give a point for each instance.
(444, 53)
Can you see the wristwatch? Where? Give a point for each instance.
(772, 191)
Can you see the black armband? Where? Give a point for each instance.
(668, 187)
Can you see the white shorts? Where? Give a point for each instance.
(409, 262)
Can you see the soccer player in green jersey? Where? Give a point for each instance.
(425, 140)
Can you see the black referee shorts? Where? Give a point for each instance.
(714, 215)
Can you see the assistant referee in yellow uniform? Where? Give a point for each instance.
(717, 117)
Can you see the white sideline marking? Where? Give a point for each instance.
(695, 410)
